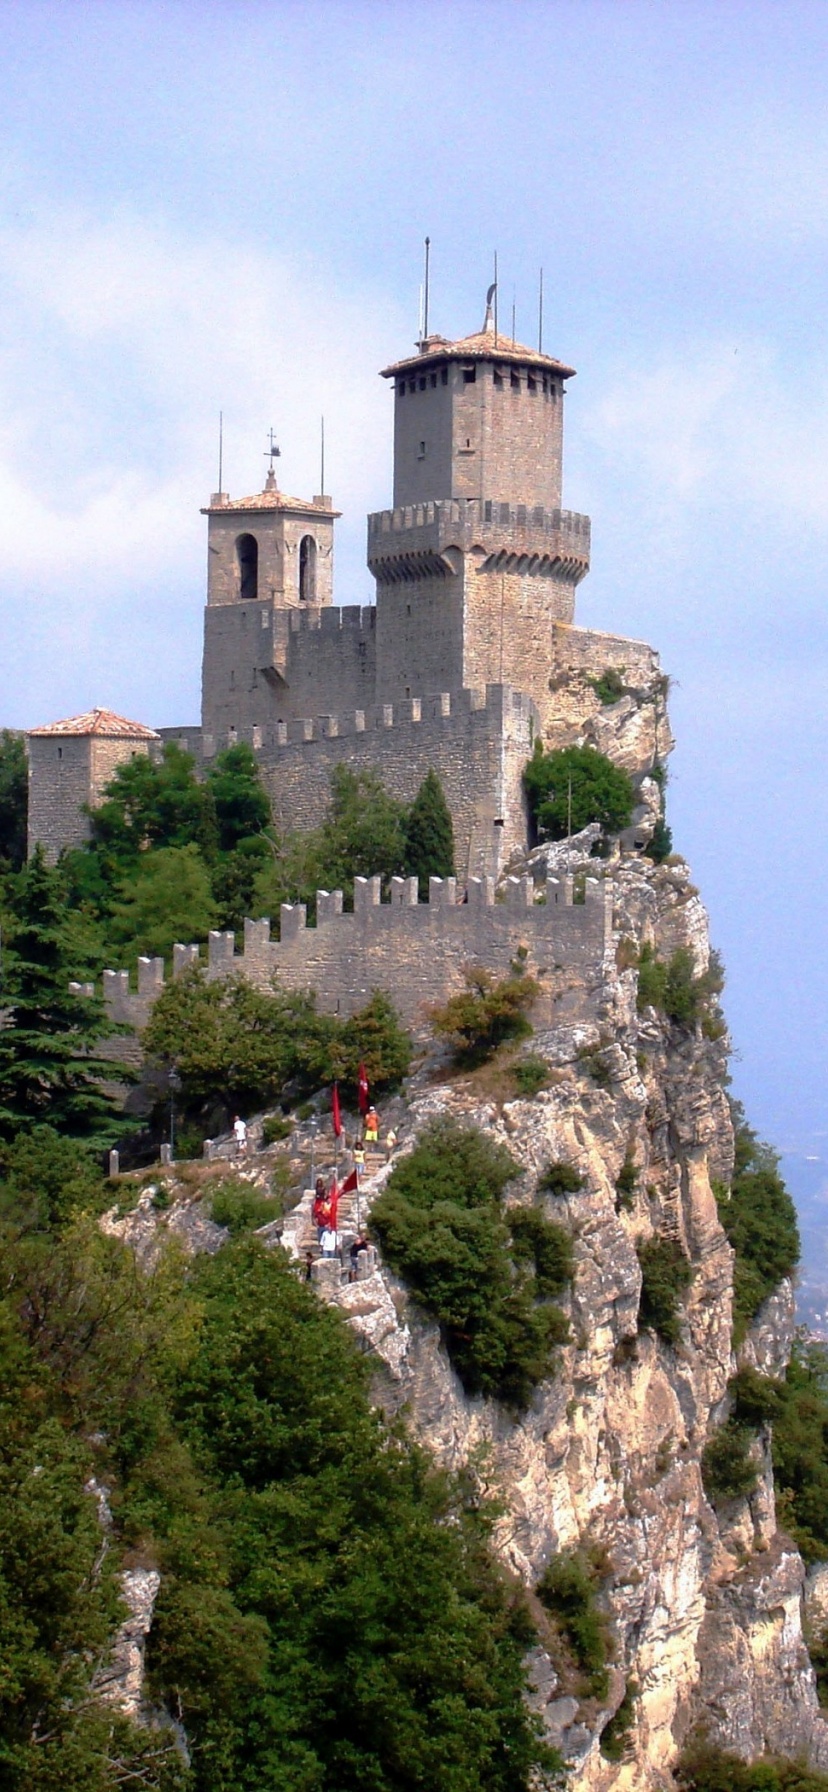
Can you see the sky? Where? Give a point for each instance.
(221, 207)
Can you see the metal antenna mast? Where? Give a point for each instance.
(540, 314)
(322, 445)
(425, 289)
(221, 447)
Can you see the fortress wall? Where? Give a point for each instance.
(593, 652)
(262, 666)
(416, 952)
(477, 745)
(331, 660)
(419, 635)
(508, 624)
(59, 782)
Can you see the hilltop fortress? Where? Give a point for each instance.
(469, 653)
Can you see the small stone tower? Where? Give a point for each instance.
(69, 764)
(268, 557)
(477, 562)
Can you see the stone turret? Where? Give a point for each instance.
(70, 763)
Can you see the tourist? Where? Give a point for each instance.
(371, 1126)
(240, 1136)
(321, 1209)
(328, 1241)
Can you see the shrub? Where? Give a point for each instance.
(665, 1274)
(239, 1207)
(275, 1128)
(703, 1768)
(652, 979)
(592, 1059)
(484, 1015)
(483, 1274)
(660, 844)
(577, 785)
(759, 1218)
(728, 1470)
(800, 1450)
(610, 686)
(567, 1590)
(560, 1178)
(531, 1074)
(615, 1734)
(626, 1181)
(757, 1399)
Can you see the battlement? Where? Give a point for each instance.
(451, 709)
(411, 542)
(328, 619)
(416, 951)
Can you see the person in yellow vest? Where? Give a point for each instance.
(371, 1126)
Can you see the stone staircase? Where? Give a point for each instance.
(299, 1231)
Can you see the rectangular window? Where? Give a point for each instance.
(531, 383)
(422, 382)
(421, 455)
(469, 375)
(434, 379)
(412, 385)
(444, 375)
(498, 378)
(514, 380)
(401, 389)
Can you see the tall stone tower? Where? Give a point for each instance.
(477, 562)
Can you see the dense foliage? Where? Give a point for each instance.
(568, 1591)
(759, 1218)
(706, 1769)
(236, 1048)
(14, 800)
(429, 835)
(674, 987)
(49, 1067)
(573, 786)
(796, 1408)
(489, 1011)
(486, 1273)
(665, 1276)
(329, 1615)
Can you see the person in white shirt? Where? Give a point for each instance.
(240, 1135)
(328, 1242)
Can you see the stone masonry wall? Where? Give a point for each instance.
(263, 665)
(414, 951)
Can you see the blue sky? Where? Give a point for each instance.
(209, 207)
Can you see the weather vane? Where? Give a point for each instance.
(272, 453)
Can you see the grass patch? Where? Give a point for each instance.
(531, 1074)
(241, 1208)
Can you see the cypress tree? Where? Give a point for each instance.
(429, 835)
(49, 1067)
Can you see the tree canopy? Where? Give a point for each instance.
(14, 800)
(569, 788)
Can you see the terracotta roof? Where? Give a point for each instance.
(272, 500)
(483, 345)
(102, 722)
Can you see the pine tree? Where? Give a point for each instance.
(429, 835)
(49, 1067)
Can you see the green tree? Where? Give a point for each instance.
(234, 882)
(50, 1069)
(484, 1273)
(489, 1011)
(167, 899)
(759, 1218)
(14, 800)
(153, 803)
(240, 800)
(429, 835)
(580, 785)
(363, 830)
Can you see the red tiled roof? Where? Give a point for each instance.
(102, 722)
(483, 345)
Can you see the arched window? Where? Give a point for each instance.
(307, 570)
(247, 555)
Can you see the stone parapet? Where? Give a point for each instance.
(415, 541)
(415, 951)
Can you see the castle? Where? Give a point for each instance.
(469, 653)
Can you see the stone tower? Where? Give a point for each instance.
(70, 762)
(269, 571)
(477, 562)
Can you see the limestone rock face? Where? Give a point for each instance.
(704, 1609)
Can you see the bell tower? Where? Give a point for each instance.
(477, 561)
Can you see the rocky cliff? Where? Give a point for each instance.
(703, 1609)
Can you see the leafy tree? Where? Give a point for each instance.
(800, 1450)
(167, 899)
(154, 803)
(49, 1066)
(759, 1218)
(240, 801)
(728, 1469)
(239, 1048)
(14, 799)
(429, 835)
(45, 1180)
(703, 1768)
(483, 1016)
(363, 832)
(485, 1273)
(600, 791)
(234, 882)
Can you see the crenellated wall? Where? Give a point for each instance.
(414, 951)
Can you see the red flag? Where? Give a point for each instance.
(350, 1184)
(337, 1117)
(362, 1090)
(333, 1203)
